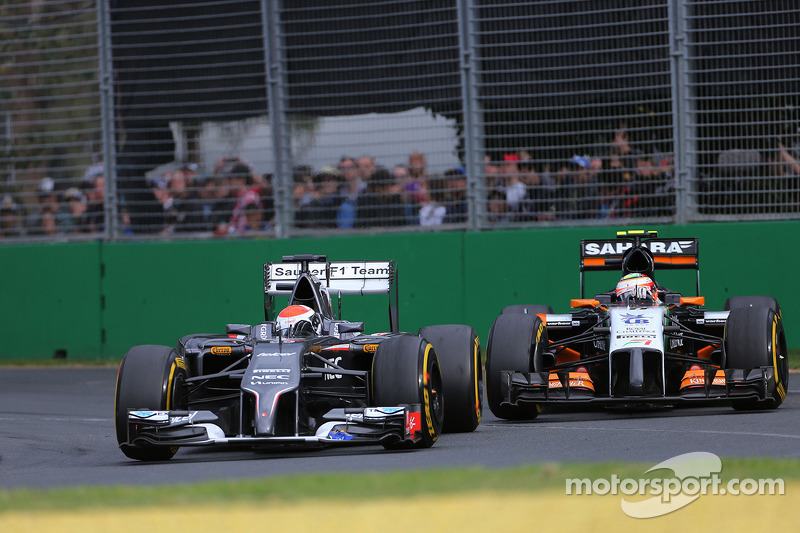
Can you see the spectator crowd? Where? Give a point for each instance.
(617, 181)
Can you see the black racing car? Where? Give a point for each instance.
(640, 344)
(314, 381)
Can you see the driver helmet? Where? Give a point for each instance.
(298, 321)
(636, 286)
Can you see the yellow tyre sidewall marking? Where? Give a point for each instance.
(476, 369)
(778, 383)
(426, 395)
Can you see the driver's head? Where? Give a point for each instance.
(636, 287)
(298, 321)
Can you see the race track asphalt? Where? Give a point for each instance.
(57, 429)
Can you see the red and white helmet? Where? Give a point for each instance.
(298, 321)
(636, 286)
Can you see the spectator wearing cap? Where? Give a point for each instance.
(94, 170)
(190, 173)
(10, 221)
(43, 218)
(75, 219)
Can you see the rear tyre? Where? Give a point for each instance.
(459, 353)
(511, 345)
(754, 337)
(527, 309)
(151, 378)
(405, 371)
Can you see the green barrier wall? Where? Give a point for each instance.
(51, 300)
(97, 300)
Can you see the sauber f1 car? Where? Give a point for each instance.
(640, 344)
(303, 377)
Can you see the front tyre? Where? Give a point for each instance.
(751, 301)
(150, 377)
(527, 309)
(405, 371)
(754, 338)
(511, 345)
(459, 352)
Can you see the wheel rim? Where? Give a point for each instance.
(437, 400)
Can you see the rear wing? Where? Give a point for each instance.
(338, 277)
(639, 251)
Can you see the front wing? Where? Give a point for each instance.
(520, 388)
(346, 426)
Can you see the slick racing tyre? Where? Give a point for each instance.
(754, 337)
(512, 342)
(151, 378)
(527, 309)
(405, 371)
(747, 301)
(459, 353)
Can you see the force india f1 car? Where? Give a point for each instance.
(650, 347)
(304, 379)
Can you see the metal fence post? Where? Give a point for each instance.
(469, 110)
(107, 118)
(682, 115)
(282, 176)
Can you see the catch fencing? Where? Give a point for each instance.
(143, 119)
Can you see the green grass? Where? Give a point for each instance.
(348, 486)
(60, 363)
(794, 358)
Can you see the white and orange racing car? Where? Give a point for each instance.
(639, 344)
